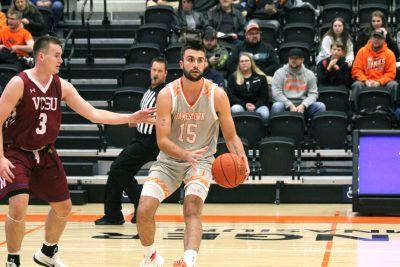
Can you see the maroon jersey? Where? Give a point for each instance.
(36, 120)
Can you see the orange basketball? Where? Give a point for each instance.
(229, 170)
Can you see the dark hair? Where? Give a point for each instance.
(345, 38)
(43, 42)
(378, 13)
(197, 46)
(161, 60)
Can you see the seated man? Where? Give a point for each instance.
(374, 66)
(294, 87)
(333, 70)
(217, 55)
(15, 41)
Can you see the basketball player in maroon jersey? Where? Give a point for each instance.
(30, 116)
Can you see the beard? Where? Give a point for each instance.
(190, 77)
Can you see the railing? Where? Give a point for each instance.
(71, 53)
(89, 56)
(106, 21)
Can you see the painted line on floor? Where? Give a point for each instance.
(233, 219)
(329, 244)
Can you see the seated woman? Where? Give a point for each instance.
(337, 32)
(377, 21)
(31, 17)
(248, 88)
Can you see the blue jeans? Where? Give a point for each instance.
(310, 111)
(262, 110)
(58, 10)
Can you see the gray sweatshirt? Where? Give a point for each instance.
(295, 88)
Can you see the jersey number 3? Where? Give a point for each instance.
(42, 123)
(188, 133)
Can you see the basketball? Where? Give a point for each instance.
(228, 170)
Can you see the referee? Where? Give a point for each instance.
(142, 149)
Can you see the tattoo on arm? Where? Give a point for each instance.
(163, 122)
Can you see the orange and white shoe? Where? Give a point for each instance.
(154, 261)
(179, 262)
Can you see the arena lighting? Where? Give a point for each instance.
(376, 171)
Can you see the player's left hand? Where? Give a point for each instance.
(146, 115)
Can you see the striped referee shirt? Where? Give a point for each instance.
(149, 101)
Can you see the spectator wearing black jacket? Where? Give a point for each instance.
(334, 70)
(378, 20)
(187, 20)
(32, 19)
(248, 88)
(227, 19)
(264, 54)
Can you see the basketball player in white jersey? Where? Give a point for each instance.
(190, 111)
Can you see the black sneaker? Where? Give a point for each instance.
(105, 221)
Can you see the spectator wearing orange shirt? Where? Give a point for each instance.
(15, 41)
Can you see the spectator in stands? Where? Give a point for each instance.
(214, 75)
(264, 10)
(264, 54)
(217, 55)
(31, 17)
(281, 5)
(15, 42)
(187, 21)
(294, 87)
(248, 88)
(337, 32)
(142, 149)
(378, 20)
(172, 3)
(375, 66)
(334, 70)
(228, 21)
(3, 18)
(57, 9)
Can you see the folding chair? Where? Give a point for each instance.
(135, 75)
(159, 14)
(277, 158)
(288, 124)
(7, 71)
(330, 130)
(173, 53)
(249, 125)
(335, 98)
(127, 98)
(142, 53)
(153, 33)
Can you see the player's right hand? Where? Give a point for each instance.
(5, 169)
(193, 156)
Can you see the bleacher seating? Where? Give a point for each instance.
(114, 49)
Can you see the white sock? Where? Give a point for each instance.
(190, 257)
(148, 251)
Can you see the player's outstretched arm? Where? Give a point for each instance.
(82, 107)
(8, 101)
(233, 142)
(163, 130)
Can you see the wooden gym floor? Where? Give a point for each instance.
(234, 235)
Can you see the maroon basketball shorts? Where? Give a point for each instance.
(39, 173)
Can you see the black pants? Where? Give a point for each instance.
(142, 149)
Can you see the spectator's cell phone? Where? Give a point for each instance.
(217, 55)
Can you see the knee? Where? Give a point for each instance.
(277, 107)
(237, 108)
(58, 7)
(193, 207)
(147, 208)
(62, 209)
